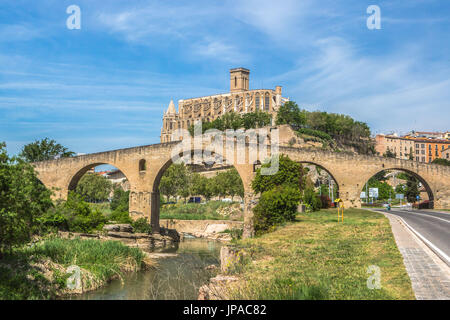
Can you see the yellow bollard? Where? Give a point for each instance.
(340, 207)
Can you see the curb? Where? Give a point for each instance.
(431, 246)
(439, 253)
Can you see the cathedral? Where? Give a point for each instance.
(240, 99)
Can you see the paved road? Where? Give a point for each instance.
(433, 226)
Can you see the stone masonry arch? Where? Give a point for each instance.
(323, 168)
(245, 174)
(424, 182)
(350, 172)
(73, 181)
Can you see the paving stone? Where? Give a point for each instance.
(428, 279)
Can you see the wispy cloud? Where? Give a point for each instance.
(18, 32)
(115, 76)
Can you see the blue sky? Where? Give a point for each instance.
(106, 86)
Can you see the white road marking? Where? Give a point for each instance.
(431, 245)
(428, 215)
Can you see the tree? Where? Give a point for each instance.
(411, 154)
(389, 154)
(256, 119)
(120, 200)
(412, 189)
(175, 181)
(443, 162)
(23, 199)
(234, 184)
(280, 194)
(385, 190)
(94, 187)
(289, 173)
(233, 120)
(289, 113)
(400, 189)
(42, 150)
(275, 207)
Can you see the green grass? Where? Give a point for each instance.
(318, 258)
(103, 207)
(196, 211)
(20, 278)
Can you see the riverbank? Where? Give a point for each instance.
(318, 258)
(220, 230)
(41, 270)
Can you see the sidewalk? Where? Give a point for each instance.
(430, 276)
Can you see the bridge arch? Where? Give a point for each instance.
(75, 177)
(325, 169)
(416, 175)
(243, 171)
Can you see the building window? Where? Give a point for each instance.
(142, 165)
(257, 102)
(235, 82)
(423, 159)
(266, 102)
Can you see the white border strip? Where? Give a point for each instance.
(424, 214)
(440, 253)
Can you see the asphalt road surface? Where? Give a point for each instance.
(433, 226)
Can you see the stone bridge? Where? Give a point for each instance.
(143, 166)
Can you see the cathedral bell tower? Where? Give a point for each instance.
(239, 79)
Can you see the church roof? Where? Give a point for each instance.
(171, 109)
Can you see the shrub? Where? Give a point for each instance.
(73, 215)
(120, 199)
(120, 216)
(53, 220)
(141, 225)
(289, 173)
(315, 133)
(422, 205)
(326, 201)
(313, 199)
(275, 207)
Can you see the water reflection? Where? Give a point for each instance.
(174, 278)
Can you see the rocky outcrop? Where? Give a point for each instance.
(221, 286)
(118, 227)
(218, 288)
(210, 229)
(167, 237)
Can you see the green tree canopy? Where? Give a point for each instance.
(289, 113)
(45, 149)
(233, 120)
(289, 173)
(412, 189)
(443, 162)
(175, 181)
(94, 187)
(23, 199)
(385, 190)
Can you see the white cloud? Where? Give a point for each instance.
(18, 32)
(389, 91)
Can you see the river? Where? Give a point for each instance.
(174, 278)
